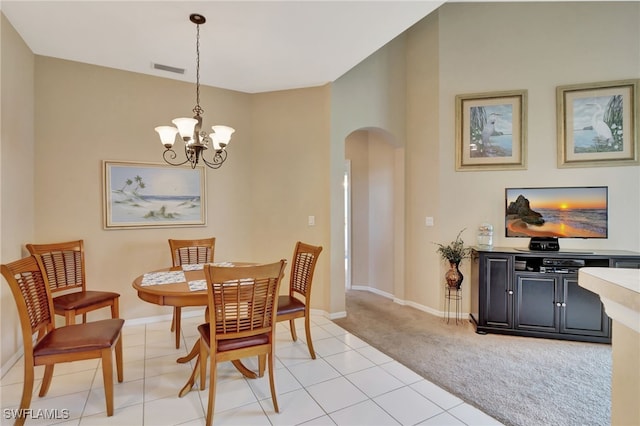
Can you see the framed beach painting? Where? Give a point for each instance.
(491, 131)
(598, 124)
(148, 195)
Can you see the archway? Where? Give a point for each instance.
(375, 200)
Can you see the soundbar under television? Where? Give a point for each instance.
(546, 214)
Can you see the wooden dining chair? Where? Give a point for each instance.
(65, 269)
(241, 322)
(188, 252)
(297, 304)
(97, 339)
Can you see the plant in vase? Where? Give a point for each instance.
(454, 253)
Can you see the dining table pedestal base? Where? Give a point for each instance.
(195, 351)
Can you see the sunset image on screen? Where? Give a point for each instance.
(567, 198)
(577, 212)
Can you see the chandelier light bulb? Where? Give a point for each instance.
(167, 135)
(185, 127)
(223, 134)
(215, 142)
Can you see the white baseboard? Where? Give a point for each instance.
(160, 318)
(405, 302)
(373, 290)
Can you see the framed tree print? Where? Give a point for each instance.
(598, 124)
(491, 131)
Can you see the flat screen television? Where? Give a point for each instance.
(545, 214)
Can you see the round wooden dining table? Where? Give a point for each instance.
(179, 293)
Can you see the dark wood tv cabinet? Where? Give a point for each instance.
(536, 294)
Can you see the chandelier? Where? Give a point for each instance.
(196, 141)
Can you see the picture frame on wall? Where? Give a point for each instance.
(150, 195)
(597, 124)
(491, 131)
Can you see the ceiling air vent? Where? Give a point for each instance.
(168, 68)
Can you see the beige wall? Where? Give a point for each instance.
(289, 178)
(382, 201)
(16, 169)
(424, 189)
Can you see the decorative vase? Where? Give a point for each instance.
(453, 276)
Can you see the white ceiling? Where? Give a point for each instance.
(249, 46)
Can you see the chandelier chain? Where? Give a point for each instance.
(197, 109)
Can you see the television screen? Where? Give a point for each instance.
(568, 212)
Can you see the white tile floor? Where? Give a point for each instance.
(350, 383)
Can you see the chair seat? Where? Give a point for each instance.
(82, 299)
(232, 344)
(80, 338)
(289, 305)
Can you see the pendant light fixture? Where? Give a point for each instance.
(196, 141)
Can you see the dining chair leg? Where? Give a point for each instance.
(204, 357)
(272, 383)
(27, 391)
(107, 378)
(115, 308)
(178, 316)
(307, 330)
(292, 327)
(69, 317)
(262, 362)
(119, 365)
(212, 389)
(46, 380)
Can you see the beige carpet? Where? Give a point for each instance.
(517, 380)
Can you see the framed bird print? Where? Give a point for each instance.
(598, 124)
(491, 131)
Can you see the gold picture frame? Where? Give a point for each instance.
(151, 195)
(491, 131)
(597, 124)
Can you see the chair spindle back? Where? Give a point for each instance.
(242, 300)
(305, 257)
(63, 263)
(31, 293)
(187, 252)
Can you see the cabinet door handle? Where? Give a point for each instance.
(510, 291)
(558, 304)
(564, 304)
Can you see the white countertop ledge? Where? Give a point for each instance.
(619, 290)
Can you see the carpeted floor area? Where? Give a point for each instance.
(520, 381)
